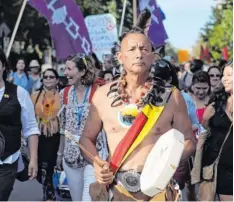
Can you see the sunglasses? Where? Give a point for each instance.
(48, 77)
(215, 75)
(82, 56)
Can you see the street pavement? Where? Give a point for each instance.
(26, 191)
(32, 191)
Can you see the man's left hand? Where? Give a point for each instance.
(32, 169)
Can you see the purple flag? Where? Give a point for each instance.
(67, 26)
(157, 32)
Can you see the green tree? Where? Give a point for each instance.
(34, 28)
(218, 31)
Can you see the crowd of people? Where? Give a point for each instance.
(93, 106)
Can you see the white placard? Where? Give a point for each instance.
(102, 32)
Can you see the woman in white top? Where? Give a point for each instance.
(75, 102)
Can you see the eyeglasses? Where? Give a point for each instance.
(48, 77)
(215, 75)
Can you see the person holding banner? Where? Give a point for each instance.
(124, 119)
(75, 102)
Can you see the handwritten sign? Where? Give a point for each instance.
(102, 32)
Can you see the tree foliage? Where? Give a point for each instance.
(218, 31)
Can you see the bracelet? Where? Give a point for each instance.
(59, 154)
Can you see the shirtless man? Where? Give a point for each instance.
(136, 56)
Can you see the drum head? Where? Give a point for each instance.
(162, 162)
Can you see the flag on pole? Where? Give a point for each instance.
(225, 53)
(207, 53)
(67, 26)
(163, 16)
(157, 32)
(202, 53)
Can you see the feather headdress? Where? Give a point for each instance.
(144, 21)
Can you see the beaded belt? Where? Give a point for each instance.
(130, 180)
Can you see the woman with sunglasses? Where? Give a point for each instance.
(218, 117)
(215, 77)
(200, 91)
(76, 102)
(47, 105)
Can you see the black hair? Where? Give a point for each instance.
(196, 65)
(222, 63)
(108, 72)
(51, 70)
(114, 50)
(214, 67)
(4, 62)
(201, 77)
(96, 61)
(25, 68)
(42, 86)
(167, 73)
(84, 63)
(220, 96)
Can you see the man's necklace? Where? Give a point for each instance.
(125, 98)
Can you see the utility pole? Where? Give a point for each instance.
(134, 5)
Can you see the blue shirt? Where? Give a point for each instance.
(23, 81)
(191, 107)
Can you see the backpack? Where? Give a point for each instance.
(67, 89)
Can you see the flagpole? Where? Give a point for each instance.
(122, 18)
(16, 27)
(134, 5)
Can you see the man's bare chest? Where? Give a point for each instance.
(121, 118)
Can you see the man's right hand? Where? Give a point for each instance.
(102, 171)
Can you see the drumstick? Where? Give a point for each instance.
(177, 197)
(70, 137)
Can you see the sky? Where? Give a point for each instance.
(184, 19)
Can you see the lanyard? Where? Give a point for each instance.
(80, 108)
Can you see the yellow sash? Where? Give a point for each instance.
(152, 113)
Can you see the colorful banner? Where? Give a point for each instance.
(67, 27)
(103, 33)
(157, 32)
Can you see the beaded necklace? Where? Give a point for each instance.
(47, 107)
(80, 106)
(125, 97)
